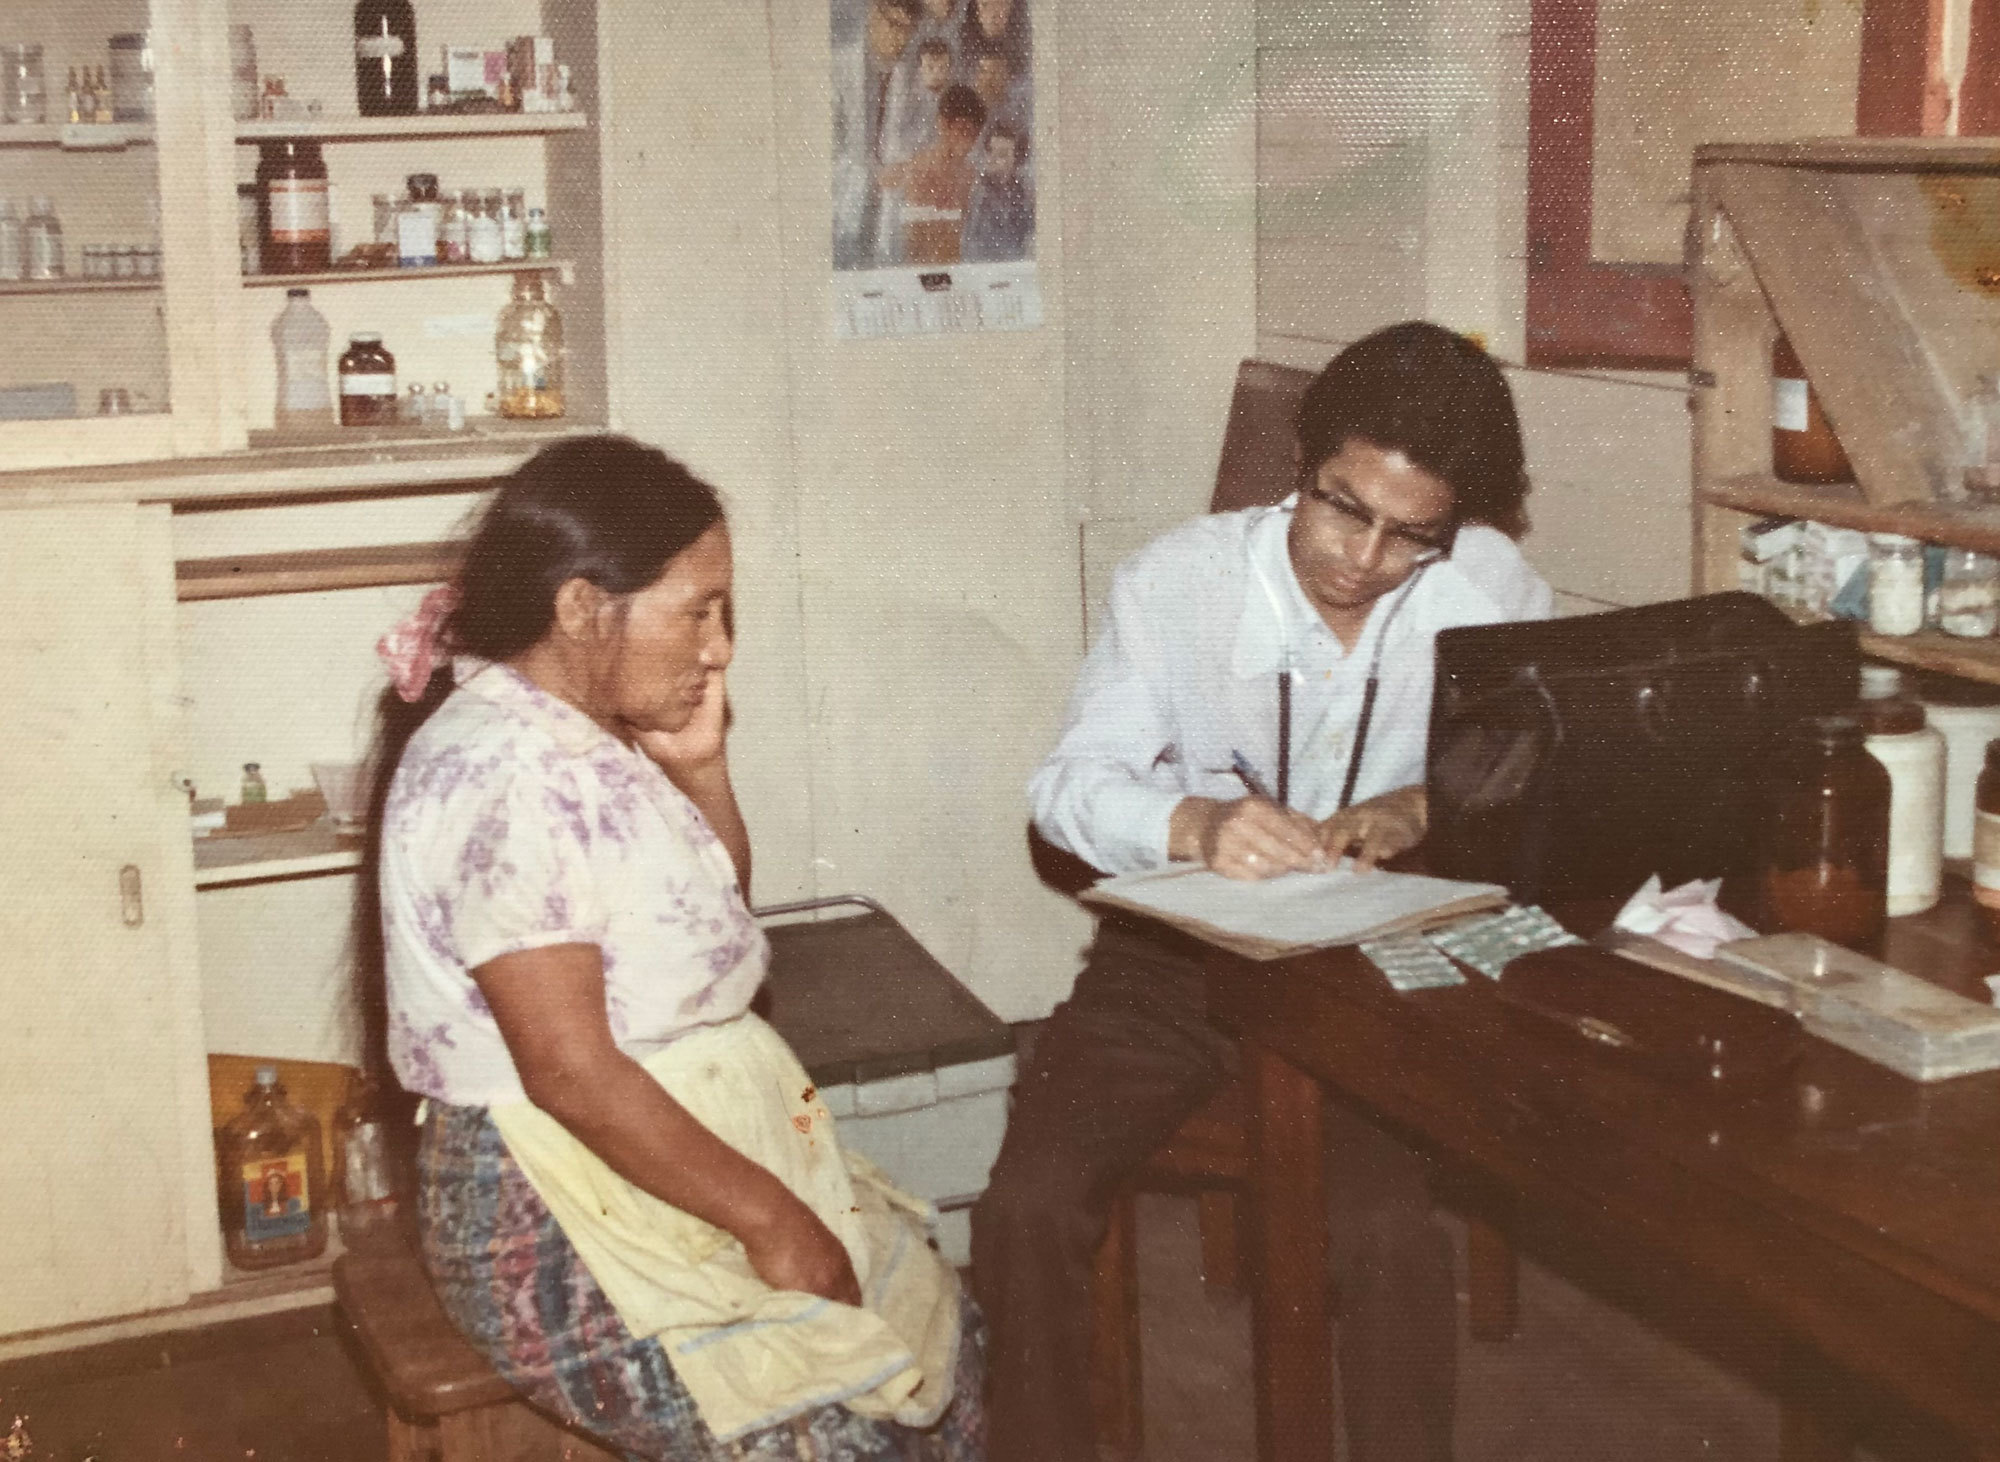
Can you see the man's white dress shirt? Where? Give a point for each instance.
(1184, 678)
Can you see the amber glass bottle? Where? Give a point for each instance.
(1825, 868)
(1986, 835)
(1803, 445)
(273, 1186)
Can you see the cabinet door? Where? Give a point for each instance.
(101, 1025)
(119, 316)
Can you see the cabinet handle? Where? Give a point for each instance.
(131, 896)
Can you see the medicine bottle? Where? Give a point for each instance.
(1803, 445)
(272, 1177)
(1825, 862)
(1913, 754)
(42, 241)
(254, 789)
(1895, 584)
(1986, 834)
(297, 218)
(299, 336)
(418, 221)
(528, 347)
(367, 383)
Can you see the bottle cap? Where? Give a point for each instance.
(364, 337)
(422, 185)
(1880, 682)
(298, 292)
(251, 766)
(1830, 731)
(267, 1076)
(42, 204)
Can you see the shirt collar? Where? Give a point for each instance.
(1276, 611)
(505, 686)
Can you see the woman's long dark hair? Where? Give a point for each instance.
(605, 509)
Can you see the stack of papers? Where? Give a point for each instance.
(1295, 912)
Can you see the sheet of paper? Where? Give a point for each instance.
(1297, 910)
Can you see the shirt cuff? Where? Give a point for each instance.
(1128, 826)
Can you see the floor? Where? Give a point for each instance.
(1581, 1381)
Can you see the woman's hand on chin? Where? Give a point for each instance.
(701, 745)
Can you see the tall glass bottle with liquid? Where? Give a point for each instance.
(529, 348)
(273, 1181)
(300, 336)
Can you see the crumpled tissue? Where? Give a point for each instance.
(1686, 918)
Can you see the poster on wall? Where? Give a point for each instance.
(933, 169)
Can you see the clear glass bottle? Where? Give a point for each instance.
(513, 224)
(13, 247)
(1969, 597)
(272, 1178)
(529, 349)
(414, 412)
(24, 96)
(455, 231)
(1825, 863)
(417, 222)
(483, 229)
(1895, 584)
(385, 218)
(300, 336)
(1913, 754)
(42, 241)
(539, 238)
(365, 1166)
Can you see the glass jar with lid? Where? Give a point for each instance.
(367, 382)
(1895, 584)
(1969, 598)
(1825, 861)
(483, 229)
(529, 349)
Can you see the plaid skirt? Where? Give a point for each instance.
(512, 1283)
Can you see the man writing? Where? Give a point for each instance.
(1257, 703)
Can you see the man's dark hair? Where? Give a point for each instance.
(910, 10)
(1437, 398)
(960, 103)
(935, 46)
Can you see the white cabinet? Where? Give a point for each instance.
(107, 1200)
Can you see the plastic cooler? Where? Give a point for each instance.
(913, 1067)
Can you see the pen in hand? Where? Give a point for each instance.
(1247, 775)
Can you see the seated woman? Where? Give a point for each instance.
(630, 1198)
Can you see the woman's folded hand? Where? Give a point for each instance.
(792, 1249)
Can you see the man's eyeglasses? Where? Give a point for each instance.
(1403, 547)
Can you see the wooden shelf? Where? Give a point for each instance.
(1968, 526)
(1932, 650)
(260, 857)
(79, 136)
(449, 124)
(249, 575)
(1899, 154)
(14, 289)
(409, 276)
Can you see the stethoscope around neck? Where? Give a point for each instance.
(1367, 717)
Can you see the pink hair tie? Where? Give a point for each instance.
(409, 651)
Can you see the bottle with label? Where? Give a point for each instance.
(514, 225)
(1913, 754)
(300, 337)
(297, 213)
(1986, 835)
(1895, 584)
(13, 253)
(42, 241)
(367, 383)
(1803, 445)
(452, 246)
(418, 222)
(254, 788)
(273, 1183)
(529, 349)
(385, 58)
(483, 228)
(1825, 863)
(537, 238)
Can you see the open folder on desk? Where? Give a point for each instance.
(1295, 912)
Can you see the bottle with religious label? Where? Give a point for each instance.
(273, 1184)
(385, 58)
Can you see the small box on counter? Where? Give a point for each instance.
(531, 61)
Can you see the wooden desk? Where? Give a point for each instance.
(1849, 1214)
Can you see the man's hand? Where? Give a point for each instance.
(1250, 838)
(1378, 829)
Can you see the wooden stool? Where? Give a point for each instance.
(446, 1403)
